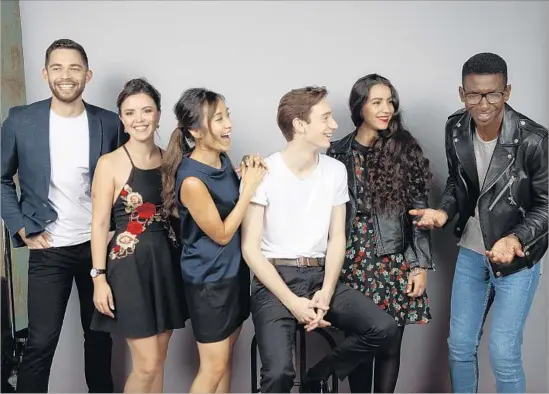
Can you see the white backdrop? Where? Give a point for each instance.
(253, 52)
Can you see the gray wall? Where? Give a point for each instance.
(253, 52)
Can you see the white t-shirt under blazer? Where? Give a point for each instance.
(69, 192)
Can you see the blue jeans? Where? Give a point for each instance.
(474, 291)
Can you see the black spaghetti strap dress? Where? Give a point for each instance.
(143, 267)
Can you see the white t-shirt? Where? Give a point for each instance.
(298, 211)
(69, 192)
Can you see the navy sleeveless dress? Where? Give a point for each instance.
(143, 263)
(217, 280)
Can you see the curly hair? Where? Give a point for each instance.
(398, 172)
(484, 63)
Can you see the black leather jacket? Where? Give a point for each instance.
(514, 197)
(395, 234)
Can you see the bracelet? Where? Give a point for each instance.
(417, 270)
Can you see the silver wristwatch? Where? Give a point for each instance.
(95, 272)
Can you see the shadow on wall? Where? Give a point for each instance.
(433, 346)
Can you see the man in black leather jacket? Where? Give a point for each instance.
(497, 185)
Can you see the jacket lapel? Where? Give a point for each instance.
(96, 136)
(504, 152)
(463, 143)
(40, 130)
(501, 159)
(343, 150)
(351, 176)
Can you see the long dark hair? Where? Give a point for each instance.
(189, 112)
(397, 170)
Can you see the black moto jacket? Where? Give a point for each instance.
(395, 233)
(513, 199)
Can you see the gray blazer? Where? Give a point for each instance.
(25, 151)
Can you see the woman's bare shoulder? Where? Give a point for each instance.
(114, 161)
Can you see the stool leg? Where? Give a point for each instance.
(302, 357)
(331, 342)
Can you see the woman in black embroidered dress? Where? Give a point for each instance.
(386, 256)
(140, 296)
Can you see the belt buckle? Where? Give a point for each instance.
(303, 262)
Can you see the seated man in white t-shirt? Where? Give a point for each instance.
(293, 239)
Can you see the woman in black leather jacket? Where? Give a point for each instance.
(386, 257)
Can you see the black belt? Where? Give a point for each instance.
(299, 262)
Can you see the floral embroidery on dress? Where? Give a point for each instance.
(141, 215)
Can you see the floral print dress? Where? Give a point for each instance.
(143, 268)
(382, 278)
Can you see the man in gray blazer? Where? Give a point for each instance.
(53, 145)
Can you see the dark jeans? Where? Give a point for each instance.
(51, 273)
(369, 328)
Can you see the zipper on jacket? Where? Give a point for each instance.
(464, 183)
(497, 179)
(461, 176)
(459, 172)
(500, 194)
(534, 241)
